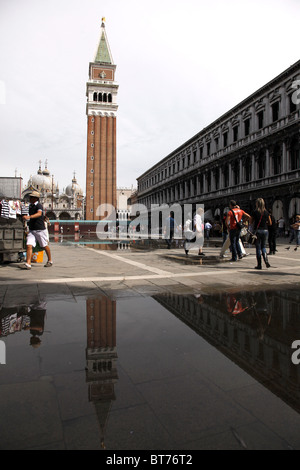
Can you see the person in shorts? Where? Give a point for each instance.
(37, 230)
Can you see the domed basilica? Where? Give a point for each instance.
(67, 205)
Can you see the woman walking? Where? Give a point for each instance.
(296, 228)
(261, 220)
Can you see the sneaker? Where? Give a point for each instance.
(48, 264)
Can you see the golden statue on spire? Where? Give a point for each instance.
(103, 20)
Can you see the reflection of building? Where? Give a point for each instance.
(101, 356)
(66, 205)
(251, 151)
(101, 113)
(258, 339)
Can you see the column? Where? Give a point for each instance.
(241, 175)
(268, 166)
(229, 174)
(253, 169)
(284, 158)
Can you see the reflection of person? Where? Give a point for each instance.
(37, 231)
(37, 323)
(234, 305)
(27, 318)
(199, 298)
(262, 315)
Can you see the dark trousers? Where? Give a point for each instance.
(234, 236)
(169, 240)
(272, 241)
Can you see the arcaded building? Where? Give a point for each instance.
(251, 151)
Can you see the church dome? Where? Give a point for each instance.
(73, 188)
(42, 180)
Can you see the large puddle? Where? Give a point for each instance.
(163, 372)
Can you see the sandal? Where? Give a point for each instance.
(48, 264)
(25, 266)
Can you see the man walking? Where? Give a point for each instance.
(37, 230)
(234, 216)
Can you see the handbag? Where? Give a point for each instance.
(244, 231)
(254, 236)
(240, 224)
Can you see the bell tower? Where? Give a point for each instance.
(101, 110)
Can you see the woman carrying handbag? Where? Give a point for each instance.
(261, 220)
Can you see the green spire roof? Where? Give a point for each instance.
(103, 53)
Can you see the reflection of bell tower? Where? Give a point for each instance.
(101, 357)
(101, 113)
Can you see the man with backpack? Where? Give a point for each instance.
(234, 223)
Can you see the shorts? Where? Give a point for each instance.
(40, 236)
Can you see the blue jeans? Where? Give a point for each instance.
(234, 236)
(262, 236)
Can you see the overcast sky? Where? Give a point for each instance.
(180, 65)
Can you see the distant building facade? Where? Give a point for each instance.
(251, 151)
(124, 203)
(11, 187)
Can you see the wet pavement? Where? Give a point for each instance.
(135, 348)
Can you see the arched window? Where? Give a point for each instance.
(217, 178)
(109, 98)
(295, 154)
(95, 96)
(100, 97)
(248, 169)
(277, 160)
(208, 182)
(262, 164)
(236, 172)
(104, 97)
(226, 176)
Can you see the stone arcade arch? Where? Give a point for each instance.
(277, 209)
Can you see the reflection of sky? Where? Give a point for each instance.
(180, 65)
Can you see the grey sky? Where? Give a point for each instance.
(180, 65)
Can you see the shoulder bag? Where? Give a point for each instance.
(240, 224)
(254, 236)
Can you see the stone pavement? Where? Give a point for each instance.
(83, 270)
(218, 405)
